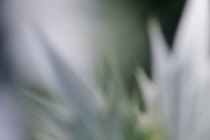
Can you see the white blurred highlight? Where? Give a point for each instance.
(181, 76)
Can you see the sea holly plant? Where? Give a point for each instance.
(180, 83)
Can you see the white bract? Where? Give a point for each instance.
(181, 77)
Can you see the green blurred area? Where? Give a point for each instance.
(128, 46)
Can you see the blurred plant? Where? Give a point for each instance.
(73, 111)
(175, 104)
(180, 86)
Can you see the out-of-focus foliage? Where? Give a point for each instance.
(116, 107)
(77, 113)
(126, 22)
(181, 77)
